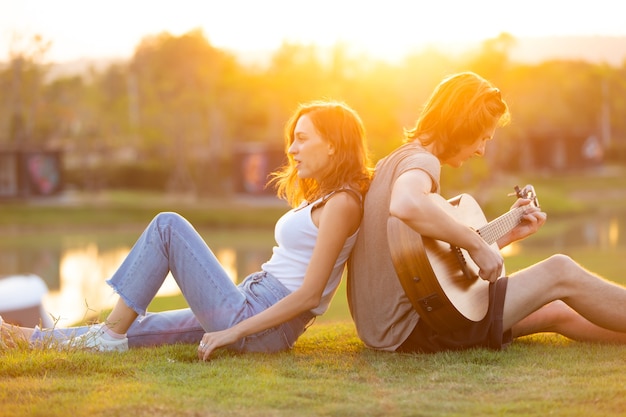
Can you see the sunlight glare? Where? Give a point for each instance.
(228, 260)
(388, 29)
(511, 250)
(82, 289)
(613, 232)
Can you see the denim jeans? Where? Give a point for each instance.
(170, 243)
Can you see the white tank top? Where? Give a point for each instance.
(295, 235)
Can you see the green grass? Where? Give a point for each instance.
(124, 209)
(328, 373)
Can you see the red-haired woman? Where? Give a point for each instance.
(325, 179)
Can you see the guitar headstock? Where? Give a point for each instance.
(528, 192)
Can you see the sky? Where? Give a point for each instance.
(382, 28)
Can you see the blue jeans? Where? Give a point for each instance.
(170, 243)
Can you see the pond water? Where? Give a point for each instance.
(75, 265)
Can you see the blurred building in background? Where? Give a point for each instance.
(30, 173)
(252, 166)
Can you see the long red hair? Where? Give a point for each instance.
(350, 165)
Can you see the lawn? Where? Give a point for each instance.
(328, 373)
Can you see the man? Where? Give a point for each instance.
(555, 295)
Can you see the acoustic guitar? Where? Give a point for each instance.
(440, 279)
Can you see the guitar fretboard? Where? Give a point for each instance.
(500, 226)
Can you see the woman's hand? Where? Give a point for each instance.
(214, 340)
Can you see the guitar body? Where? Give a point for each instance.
(441, 281)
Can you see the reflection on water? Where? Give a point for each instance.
(82, 275)
(613, 232)
(75, 266)
(81, 282)
(597, 233)
(600, 232)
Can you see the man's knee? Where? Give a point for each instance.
(560, 261)
(555, 315)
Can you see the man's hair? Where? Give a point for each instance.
(460, 108)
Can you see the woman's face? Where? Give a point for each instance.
(310, 152)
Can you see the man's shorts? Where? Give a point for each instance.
(487, 333)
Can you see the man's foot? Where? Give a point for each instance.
(98, 340)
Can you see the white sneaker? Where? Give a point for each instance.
(96, 339)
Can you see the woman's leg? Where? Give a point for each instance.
(153, 329)
(11, 335)
(170, 243)
(165, 328)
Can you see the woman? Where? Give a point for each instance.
(325, 179)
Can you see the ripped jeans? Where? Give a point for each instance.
(170, 243)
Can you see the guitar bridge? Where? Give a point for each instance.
(462, 262)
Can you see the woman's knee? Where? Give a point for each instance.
(168, 217)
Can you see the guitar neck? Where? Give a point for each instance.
(500, 226)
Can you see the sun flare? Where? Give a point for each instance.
(387, 29)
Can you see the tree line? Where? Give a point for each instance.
(175, 114)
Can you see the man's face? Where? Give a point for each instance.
(476, 148)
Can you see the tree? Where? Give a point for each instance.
(492, 60)
(183, 93)
(23, 79)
